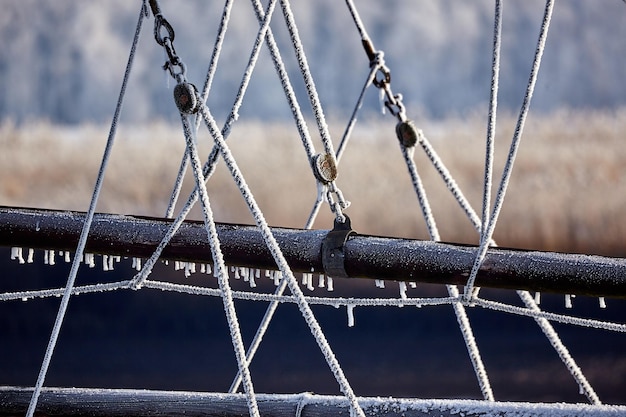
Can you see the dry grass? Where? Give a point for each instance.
(567, 192)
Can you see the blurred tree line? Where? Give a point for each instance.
(63, 60)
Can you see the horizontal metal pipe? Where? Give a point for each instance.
(365, 256)
(66, 402)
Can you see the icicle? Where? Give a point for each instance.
(45, 257)
(236, 270)
(269, 274)
(187, 267)
(31, 254)
(329, 282)
(380, 283)
(243, 272)
(602, 302)
(67, 257)
(305, 279)
(257, 273)
(350, 308)
(136, 264)
(89, 259)
(278, 275)
(413, 284)
(251, 279)
(320, 282)
(568, 301)
(16, 253)
(105, 263)
(177, 266)
(537, 298)
(202, 268)
(310, 286)
(208, 268)
(402, 285)
(51, 259)
(111, 264)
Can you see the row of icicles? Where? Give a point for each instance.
(249, 275)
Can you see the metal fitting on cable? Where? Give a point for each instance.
(186, 98)
(164, 35)
(325, 167)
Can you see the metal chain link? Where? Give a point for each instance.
(164, 35)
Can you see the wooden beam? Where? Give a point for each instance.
(371, 257)
(66, 402)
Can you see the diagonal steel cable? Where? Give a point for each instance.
(87, 224)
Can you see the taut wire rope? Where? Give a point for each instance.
(281, 262)
(515, 142)
(328, 191)
(143, 13)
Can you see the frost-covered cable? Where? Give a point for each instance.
(281, 262)
(211, 163)
(309, 83)
(459, 309)
(178, 185)
(359, 103)
(221, 269)
(470, 344)
(506, 174)
(326, 301)
(215, 55)
(203, 96)
(290, 94)
(345, 138)
(491, 123)
(448, 179)
(318, 111)
(560, 348)
(357, 19)
(271, 309)
(560, 318)
(260, 333)
(418, 187)
(82, 241)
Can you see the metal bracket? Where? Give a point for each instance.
(332, 249)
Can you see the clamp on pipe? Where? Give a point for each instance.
(333, 256)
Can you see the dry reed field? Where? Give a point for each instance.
(567, 192)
